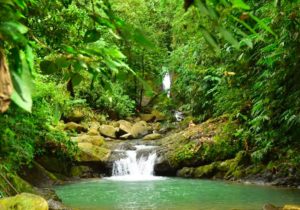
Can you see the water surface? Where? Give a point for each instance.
(173, 194)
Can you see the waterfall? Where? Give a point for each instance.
(167, 83)
(137, 165)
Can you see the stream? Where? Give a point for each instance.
(133, 186)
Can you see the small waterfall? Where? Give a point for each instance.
(167, 83)
(138, 165)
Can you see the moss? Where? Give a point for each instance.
(24, 201)
(78, 171)
(206, 171)
(186, 172)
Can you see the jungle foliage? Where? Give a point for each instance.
(231, 57)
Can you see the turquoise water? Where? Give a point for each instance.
(172, 193)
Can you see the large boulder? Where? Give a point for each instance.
(85, 138)
(125, 126)
(139, 129)
(155, 115)
(152, 136)
(91, 153)
(108, 131)
(24, 201)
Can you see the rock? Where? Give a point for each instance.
(163, 167)
(75, 116)
(89, 153)
(147, 117)
(54, 164)
(139, 129)
(81, 171)
(270, 207)
(152, 136)
(108, 131)
(56, 205)
(185, 172)
(71, 126)
(125, 126)
(206, 171)
(24, 201)
(38, 176)
(95, 140)
(93, 132)
(154, 116)
(126, 136)
(291, 207)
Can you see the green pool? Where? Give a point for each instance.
(172, 193)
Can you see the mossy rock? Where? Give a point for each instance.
(186, 172)
(206, 171)
(93, 139)
(90, 153)
(38, 175)
(79, 171)
(291, 207)
(152, 136)
(24, 201)
(54, 164)
(72, 126)
(108, 131)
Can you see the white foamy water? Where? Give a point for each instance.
(167, 83)
(134, 167)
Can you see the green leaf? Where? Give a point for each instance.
(262, 24)
(62, 62)
(48, 67)
(29, 57)
(76, 79)
(209, 38)
(229, 37)
(91, 36)
(22, 92)
(240, 4)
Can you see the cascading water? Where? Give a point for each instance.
(138, 165)
(167, 83)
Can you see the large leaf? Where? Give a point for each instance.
(240, 4)
(228, 36)
(48, 67)
(210, 39)
(91, 36)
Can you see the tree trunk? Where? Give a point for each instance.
(6, 86)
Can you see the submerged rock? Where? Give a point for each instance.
(24, 201)
(270, 207)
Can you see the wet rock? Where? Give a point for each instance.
(85, 138)
(206, 171)
(152, 136)
(72, 126)
(186, 172)
(163, 167)
(89, 153)
(108, 131)
(56, 205)
(126, 136)
(81, 171)
(24, 201)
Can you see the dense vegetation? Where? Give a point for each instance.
(235, 58)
